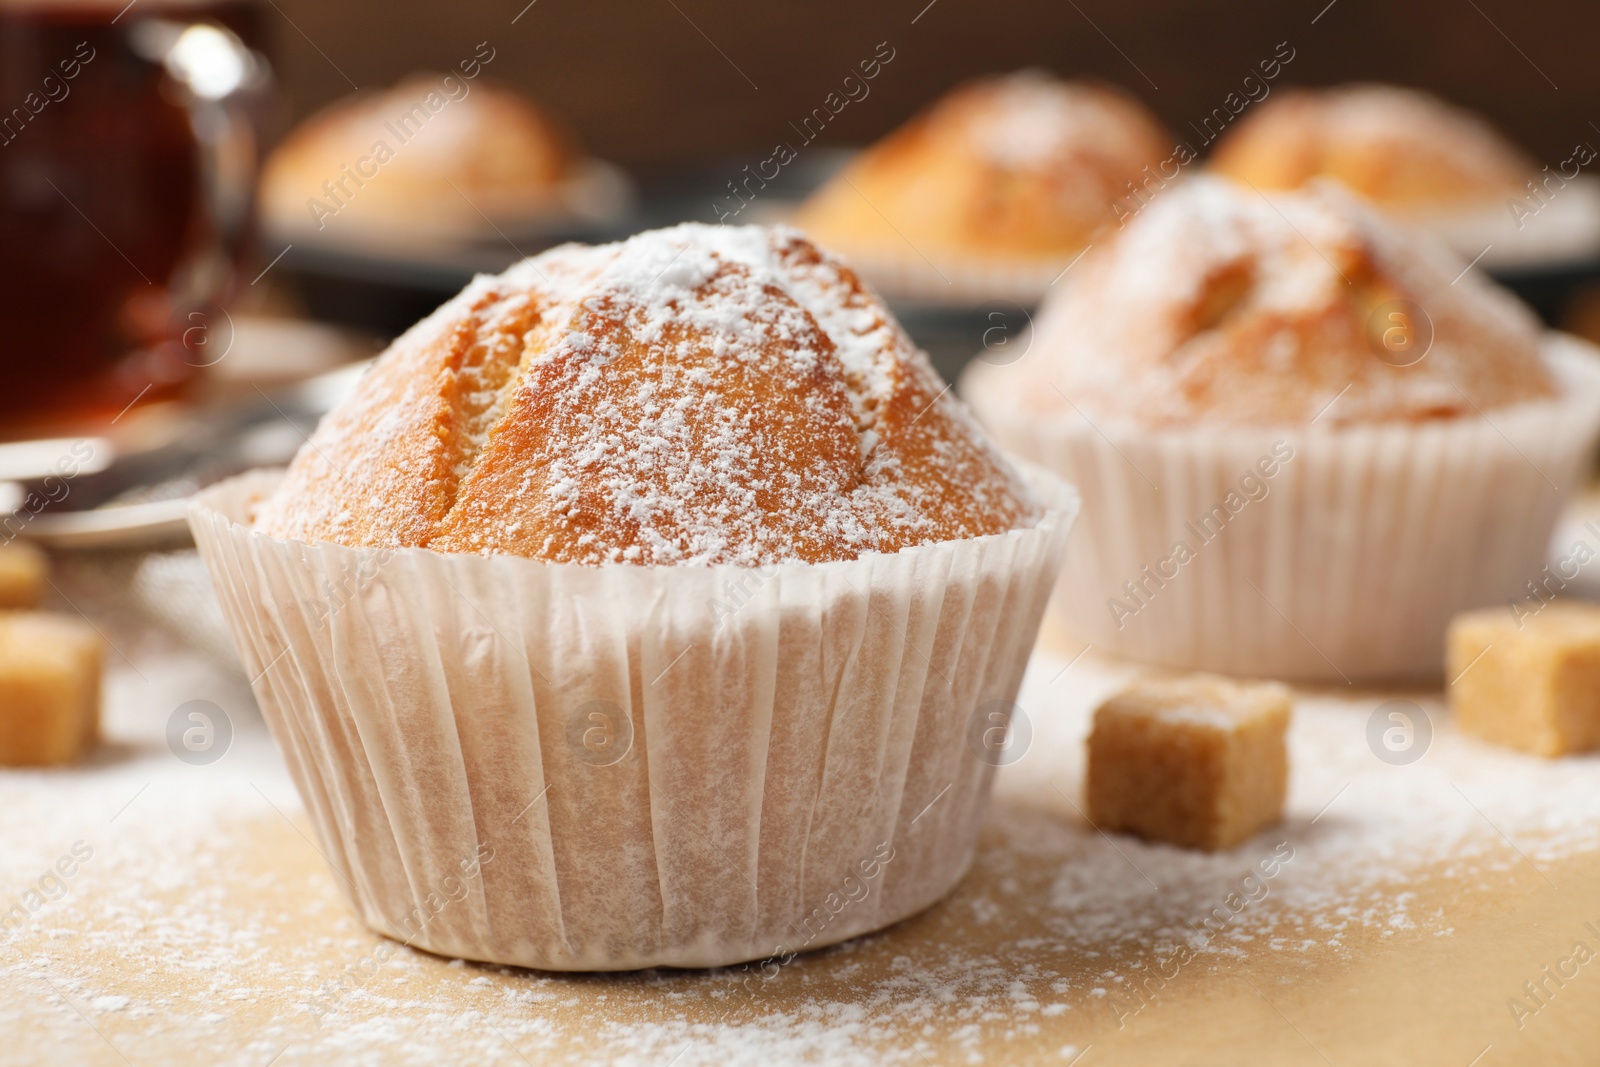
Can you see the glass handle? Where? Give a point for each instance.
(222, 83)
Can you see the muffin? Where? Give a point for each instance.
(665, 573)
(990, 192)
(1304, 437)
(1419, 159)
(434, 157)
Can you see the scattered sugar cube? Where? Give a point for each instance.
(1198, 761)
(1528, 681)
(49, 687)
(22, 575)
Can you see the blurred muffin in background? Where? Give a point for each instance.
(1420, 159)
(1404, 150)
(1305, 435)
(437, 156)
(992, 190)
(1225, 309)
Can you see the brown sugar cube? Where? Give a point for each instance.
(49, 687)
(1198, 761)
(1528, 681)
(22, 575)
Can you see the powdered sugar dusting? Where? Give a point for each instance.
(1359, 825)
(691, 395)
(999, 179)
(1405, 149)
(1218, 303)
(1036, 120)
(1405, 122)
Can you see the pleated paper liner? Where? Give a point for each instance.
(1326, 555)
(614, 767)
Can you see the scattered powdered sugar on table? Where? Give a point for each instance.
(204, 921)
(1361, 829)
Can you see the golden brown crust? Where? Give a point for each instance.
(1398, 147)
(453, 151)
(802, 444)
(698, 394)
(1019, 166)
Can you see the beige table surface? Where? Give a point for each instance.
(204, 927)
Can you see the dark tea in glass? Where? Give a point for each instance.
(127, 162)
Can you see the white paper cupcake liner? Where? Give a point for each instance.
(601, 768)
(1352, 556)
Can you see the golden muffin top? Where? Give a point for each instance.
(433, 153)
(1398, 147)
(698, 395)
(1218, 304)
(1022, 165)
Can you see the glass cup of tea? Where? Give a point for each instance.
(128, 157)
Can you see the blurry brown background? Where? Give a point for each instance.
(645, 84)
